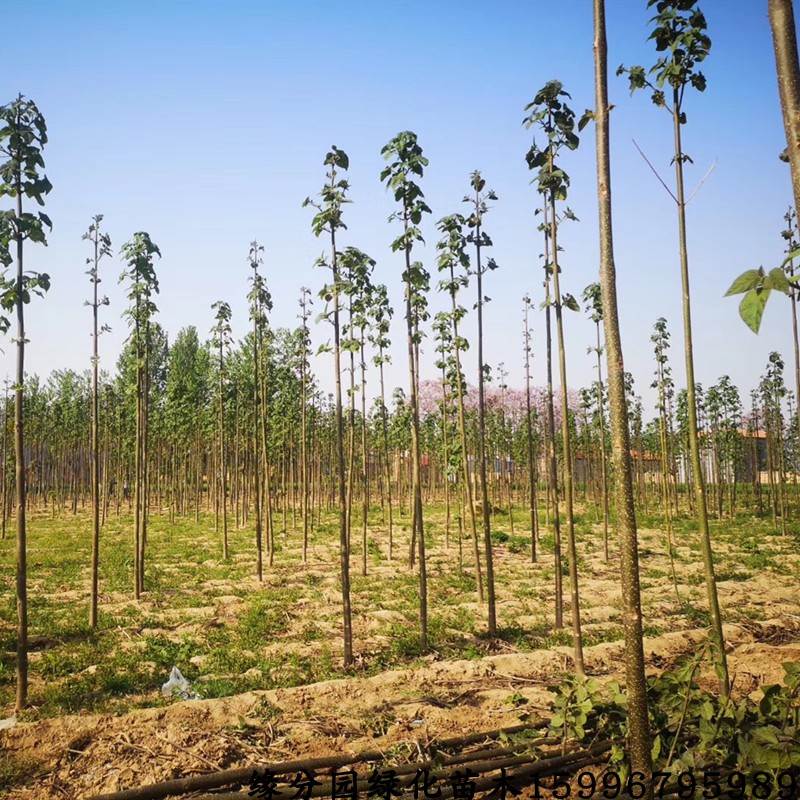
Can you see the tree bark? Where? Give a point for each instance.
(19, 456)
(95, 447)
(784, 38)
(691, 403)
(638, 725)
(487, 532)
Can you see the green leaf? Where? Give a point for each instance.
(751, 309)
(792, 255)
(656, 750)
(792, 670)
(766, 735)
(778, 280)
(745, 282)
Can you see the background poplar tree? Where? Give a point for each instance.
(260, 302)
(407, 160)
(328, 219)
(594, 305)
(639, 743)
(481, 240)
(143, 284)
(221, 339)
(23, 135)
(101, 244)
(679, 32)
(454, 262)
(550, 112)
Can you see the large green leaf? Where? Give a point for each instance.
(745, 282)
(751, 309)
(778, 280)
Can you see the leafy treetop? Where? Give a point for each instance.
(680, 34)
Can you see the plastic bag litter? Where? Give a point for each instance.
(8, 722)
(178, 685)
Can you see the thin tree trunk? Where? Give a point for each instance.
(257, 431)
(364, 464)
(487, 531)
(222, 470)
(529, 436)
(445, 457)
(567, 450)
(694, 444)
(638, 725)
(416, 479)
(137, 486)
(344, 547)
(462, 432)
(603, 467)
(551, 441)
(19, 455)
(95, 448)
(385, 427)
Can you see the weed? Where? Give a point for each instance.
(697, 616)
(16, 770)
(516, 699)
(519, 544)
(558, 639)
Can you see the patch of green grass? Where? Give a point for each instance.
(657, 573)
(225, 687)
(458, 585)
(473, 652)
(519, 544)
(167, 654)
(525, 639)
(311, 633)
(614, 633)
(405, 641)
(226, 656)
(324, 665)
(733, 574)
(377, 720)
(746, 613)
(558, 639)
(462, 620)
(697, 616)
(62, 661)
(757, 560)
(265, 618)
(119, 681)
(16, 770)
(68, 696)
(695, 579)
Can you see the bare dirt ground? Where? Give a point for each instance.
(442, 693)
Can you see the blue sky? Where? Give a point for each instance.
(206, 124)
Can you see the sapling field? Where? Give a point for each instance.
(581, 588)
